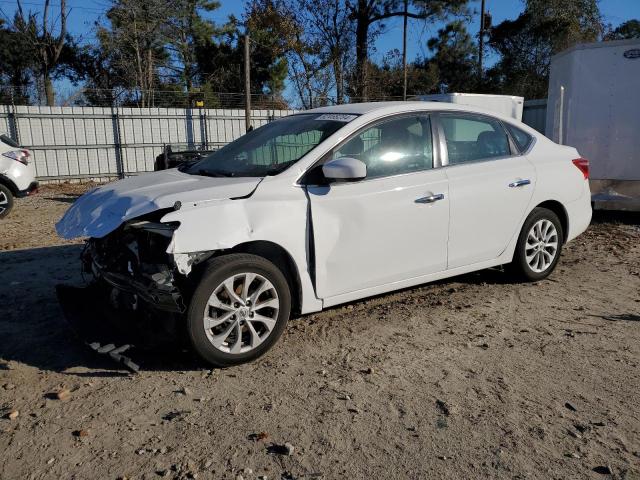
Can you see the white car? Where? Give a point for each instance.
(17, 174)
(325, 207)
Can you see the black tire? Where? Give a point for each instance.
(519, 267)
(5, 194)
(218, 270)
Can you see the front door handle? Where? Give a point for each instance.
(520, 183)
(430, 198)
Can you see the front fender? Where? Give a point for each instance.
(223, 225)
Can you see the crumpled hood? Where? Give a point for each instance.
(102, 210)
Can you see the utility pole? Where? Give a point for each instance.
(404, 50)
(247, 83)
(481, 50)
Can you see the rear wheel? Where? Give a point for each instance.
(539, 245)
(239, 309)
(6, 201)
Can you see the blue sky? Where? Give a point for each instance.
(85, 14)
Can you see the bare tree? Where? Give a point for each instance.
(135, 43)
(369, 13)
(311, 79)
(329, 29)
(186, 29)
(47, 43)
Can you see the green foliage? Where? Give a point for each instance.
(273, 33)
(369, 15)
(627, 30)
(455, 58)
(17, 59)
(574, 21)
(30, 55)
(168, 52)
(186, 31)
(525, 45)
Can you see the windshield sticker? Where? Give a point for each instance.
(337, 117)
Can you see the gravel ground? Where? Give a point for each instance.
(31, 224)
(472, 377)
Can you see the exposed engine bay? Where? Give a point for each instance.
(133, 262)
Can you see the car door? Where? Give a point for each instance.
(390, 226)
(490, 187)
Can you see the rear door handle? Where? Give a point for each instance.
(430, 198)
(520, 183)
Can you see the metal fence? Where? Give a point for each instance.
(100, 142)
(534, 114)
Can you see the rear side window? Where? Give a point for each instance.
(521, 138)
(471, 138)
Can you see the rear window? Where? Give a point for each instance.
(521, 138)
(9, 141)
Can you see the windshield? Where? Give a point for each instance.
(272, 148)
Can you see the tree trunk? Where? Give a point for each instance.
(48, 90)
(338, 75)
(362, 50)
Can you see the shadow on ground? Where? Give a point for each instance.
(33, 329)
(64, 198)
(610, 216)
(624, 317)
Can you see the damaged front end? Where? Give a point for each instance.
(136, 292)
(133, 261)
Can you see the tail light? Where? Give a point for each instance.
(21, 156)
(583, 165)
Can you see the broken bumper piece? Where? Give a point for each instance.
(162, 296)
(112, 332)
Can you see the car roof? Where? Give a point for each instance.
(359, 108)
(380, 108)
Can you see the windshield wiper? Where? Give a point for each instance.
(213, 173)
(279, 168)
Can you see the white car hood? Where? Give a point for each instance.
(102, 210)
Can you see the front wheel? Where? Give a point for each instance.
(6, 201)
(539, 246)
(239, 309)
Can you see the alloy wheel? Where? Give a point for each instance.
(542, 245)
(241, 313)
(4, 202)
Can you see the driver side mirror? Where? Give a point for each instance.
(344, 168)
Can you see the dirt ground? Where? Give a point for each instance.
(473, 377)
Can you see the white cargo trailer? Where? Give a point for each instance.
(594, 106)
(504, 104)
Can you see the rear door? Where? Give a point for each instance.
(490, 187)
(390, 226)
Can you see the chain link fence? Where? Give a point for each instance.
(114, 142)
(103, 134)
(166, 98)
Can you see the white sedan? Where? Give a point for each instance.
(325, 207)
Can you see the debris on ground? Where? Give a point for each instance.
(507, 415)
(281, 449)
(256, 437)
(62, 394)
(603, 470)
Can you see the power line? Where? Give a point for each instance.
(74, 7)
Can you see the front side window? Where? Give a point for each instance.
(471, 138)
(392, 147)
(271, 148)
